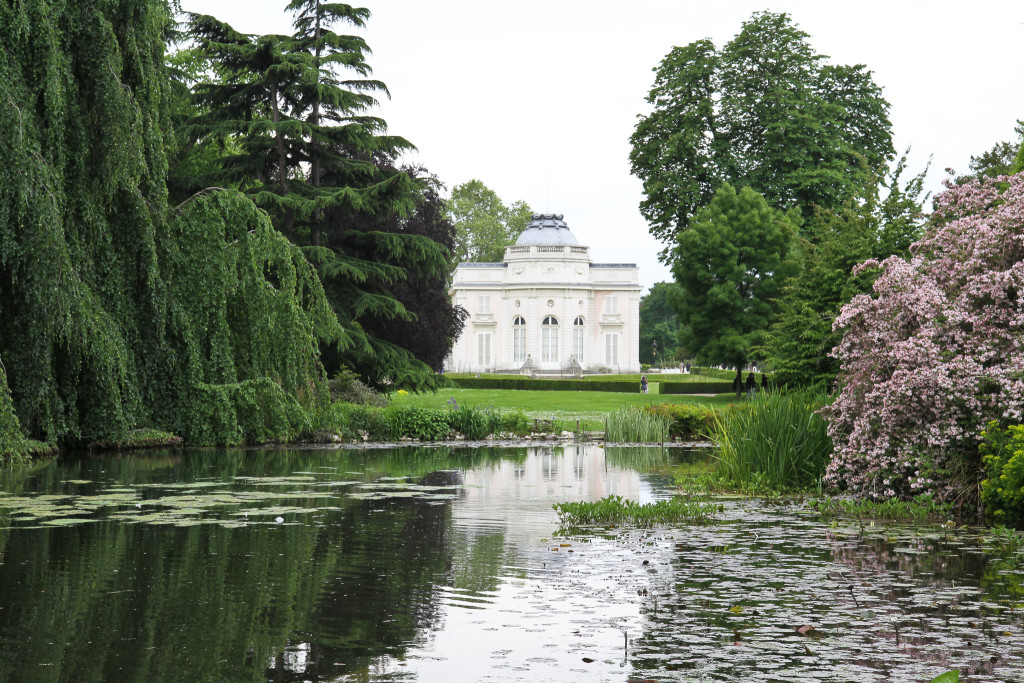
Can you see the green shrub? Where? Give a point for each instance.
(1002, 489)
(426, 424)
(351, 421)
(346, 387)
(777, 440)
(685, 420)
(473, 423)
(635, 425)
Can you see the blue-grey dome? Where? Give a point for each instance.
(547, 228)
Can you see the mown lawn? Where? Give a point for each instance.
(590, 407)
(707, 376)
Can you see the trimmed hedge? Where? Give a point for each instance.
(695, 387)
(545, 384)
(618, 386)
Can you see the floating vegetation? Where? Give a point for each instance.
(616, 510)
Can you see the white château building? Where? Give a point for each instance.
(546, 308)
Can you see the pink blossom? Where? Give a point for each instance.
(936, 350)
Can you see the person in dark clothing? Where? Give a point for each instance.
(764, 382)
(643, 384)
(751, 386)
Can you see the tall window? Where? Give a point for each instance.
(519, 340)
(549, 339)
(483, 304)
(483, 349)
(611, 304)
(611, 350)
(577, 339)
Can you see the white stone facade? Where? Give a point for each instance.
(546, 308)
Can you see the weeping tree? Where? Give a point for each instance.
(289, 111)
(117, 312)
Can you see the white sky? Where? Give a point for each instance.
(538, 99)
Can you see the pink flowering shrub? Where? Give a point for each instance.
(936, 352)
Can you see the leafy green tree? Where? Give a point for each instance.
(800, 343)
(324, 169)
(116, 312)
(484, 225)
(658, 323)
(1005, 158)
(731, 266)
(431, 323)
(763, 111)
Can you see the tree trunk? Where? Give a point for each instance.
(282, 161)
(314, 120)
(737, 383)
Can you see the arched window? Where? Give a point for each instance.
(577, 339)
(549, 339)
(519, 340)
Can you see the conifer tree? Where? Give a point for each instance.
(323, 168)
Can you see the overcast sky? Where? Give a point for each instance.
(538, 99)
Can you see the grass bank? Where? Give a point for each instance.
(564, 407)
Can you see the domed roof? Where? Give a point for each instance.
(547, 228)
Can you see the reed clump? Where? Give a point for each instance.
(635, 425)
(777, 440)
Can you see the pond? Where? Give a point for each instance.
(440, 564)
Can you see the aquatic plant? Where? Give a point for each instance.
(919, 509)
(634, 425)
(777, 441)
(936, 351)
(617, 510)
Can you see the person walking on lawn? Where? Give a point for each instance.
(643, 384)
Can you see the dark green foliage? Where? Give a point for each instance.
(419, 335)
(1002, 489)
(763, 111)
(12, 442)
(617, 510)
(114, 316)
(731, 266)
(799, 343)
(289, 114)
(141, 438)
(659, 324)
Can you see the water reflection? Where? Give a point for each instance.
(437, 564)
(173, 573)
